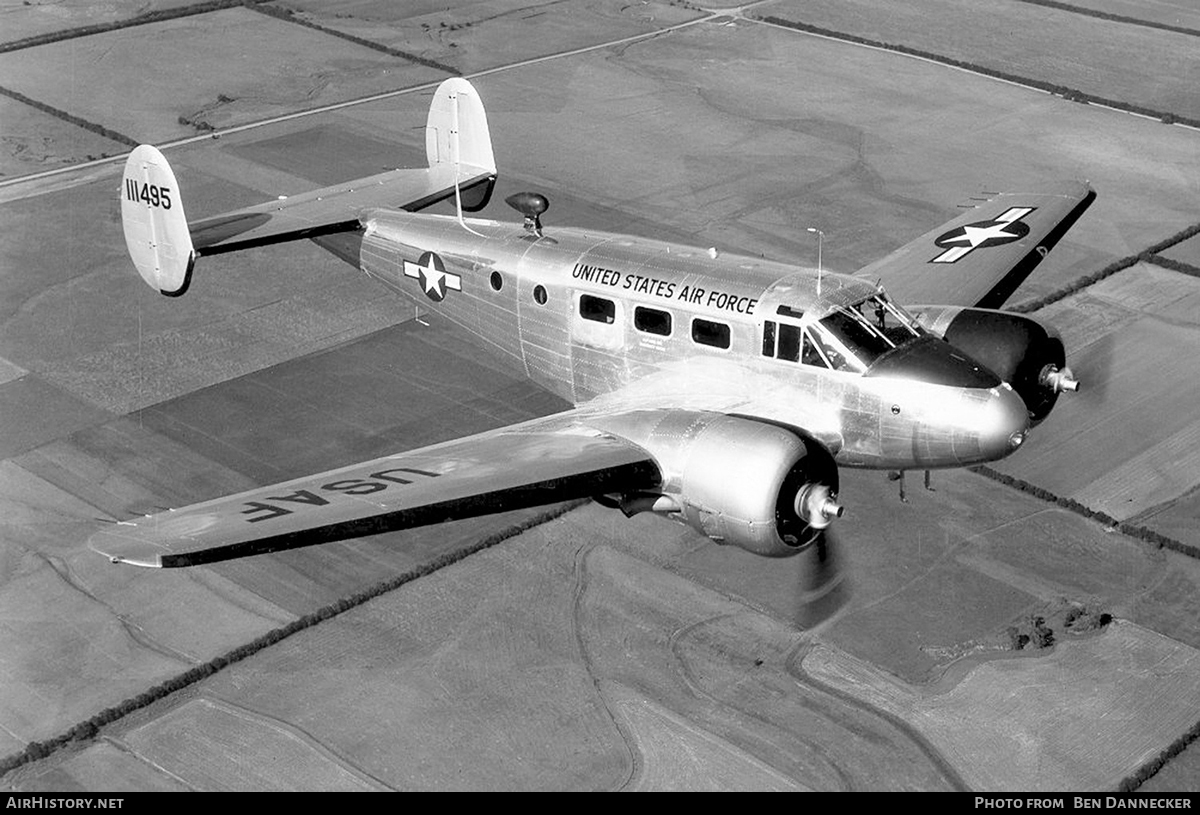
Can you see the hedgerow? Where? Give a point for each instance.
(1149, 255)
(68, 117)
(1071, 505)
(1116, 18)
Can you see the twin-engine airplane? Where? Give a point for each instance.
(720, 391)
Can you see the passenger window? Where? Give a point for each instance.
(652, 321)
(789, 342)
(768, 338)
(597, 309)
(706, 332)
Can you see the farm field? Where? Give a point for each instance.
(1167, 12)
(1133, 338)
(515, 674)
(641, 640)
(212, 745)
(33, 140)
(255, 67)
(1081, 718)
(1127, 63)
(471, 37)
(22, 18)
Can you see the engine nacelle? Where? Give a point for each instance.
(765, 488)
(1020, 350)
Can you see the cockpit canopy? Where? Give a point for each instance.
(847, 338)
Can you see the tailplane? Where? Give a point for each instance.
(164, 247)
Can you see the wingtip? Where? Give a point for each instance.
(124, 551)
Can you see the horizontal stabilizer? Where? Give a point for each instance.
(164, 247)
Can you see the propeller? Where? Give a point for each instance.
(822, 585)
(1093, 363)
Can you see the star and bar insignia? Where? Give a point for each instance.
(1005, 228)
(431, 271)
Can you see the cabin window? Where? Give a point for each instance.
(768, 338)
(539, 295)
(597, 309)
(707, 332)
(652, 321)
(497, 281)
(789, 342)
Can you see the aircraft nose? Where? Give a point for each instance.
(1005, 423)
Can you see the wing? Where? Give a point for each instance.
(532, 464)
(164, 246)
(981, 257)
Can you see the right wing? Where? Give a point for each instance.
(981, 257)
(540, 462)
(164, 246)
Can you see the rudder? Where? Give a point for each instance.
(456, 131)
(156, 229)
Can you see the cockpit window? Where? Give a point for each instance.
(867, 330)
(895, 323)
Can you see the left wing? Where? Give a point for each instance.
(544, 461)
(980, 258)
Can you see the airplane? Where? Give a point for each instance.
(720, 391)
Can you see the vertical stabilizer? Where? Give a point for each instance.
(456, 131)
(156, 230)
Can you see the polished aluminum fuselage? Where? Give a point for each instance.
(519, 296)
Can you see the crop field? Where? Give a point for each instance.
(1181, 13)
(517, 673)
(1080, 718)
(33, 140)
(30, 18)
(590, 652)
(1133, 338)
(104, 767)
(212, 746)
(676, 756)
(255, 67)
(471, 37)
(1139, 66)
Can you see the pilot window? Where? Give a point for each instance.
(792, 343)
(706, 332)
(652, 321)
(597, 309)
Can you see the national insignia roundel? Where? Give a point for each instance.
(430, 270)
(961, 241)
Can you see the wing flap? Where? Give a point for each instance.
(981, 257)
(534, 464)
